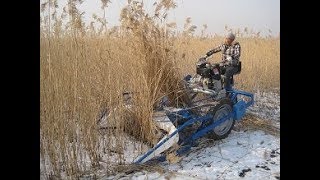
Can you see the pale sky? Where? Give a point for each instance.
(259, 15)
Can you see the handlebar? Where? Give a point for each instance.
(203, 60)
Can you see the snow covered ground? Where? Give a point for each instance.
(266, 106)
(244, 154)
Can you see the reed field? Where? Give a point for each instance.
(84, 70)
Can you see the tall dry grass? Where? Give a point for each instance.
(84, 72)
(82, 76)
(260, 59)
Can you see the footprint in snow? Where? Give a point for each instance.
(244, 171)
(263, 167)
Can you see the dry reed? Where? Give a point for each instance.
(84, 72)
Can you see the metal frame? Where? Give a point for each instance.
(239, 108)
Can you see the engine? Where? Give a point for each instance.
(210, 75)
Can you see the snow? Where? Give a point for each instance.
(266, 106)
(255, 151)
(244, 154)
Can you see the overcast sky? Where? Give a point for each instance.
(259, 15)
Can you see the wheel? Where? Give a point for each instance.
(223, 108)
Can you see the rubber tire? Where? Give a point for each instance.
(225, 102)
